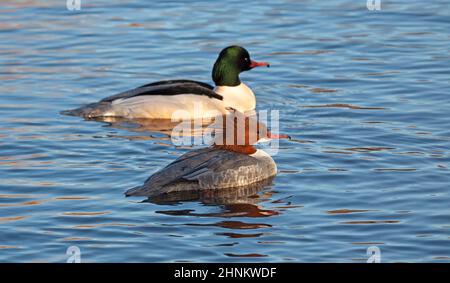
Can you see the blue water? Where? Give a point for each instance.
(364, 94)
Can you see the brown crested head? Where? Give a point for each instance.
(238, 132)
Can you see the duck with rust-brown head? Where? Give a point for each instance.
(232, 161)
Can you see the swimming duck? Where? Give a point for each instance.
(225, 164)
(184, 99)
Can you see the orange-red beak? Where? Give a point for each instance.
(254, 64)
(278, 136)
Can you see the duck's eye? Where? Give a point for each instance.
(246, 59)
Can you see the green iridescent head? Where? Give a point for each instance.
(232, 61)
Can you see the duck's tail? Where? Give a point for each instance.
(92, 110)
(138, 191)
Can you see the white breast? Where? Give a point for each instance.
(239, 97)
(266, 163)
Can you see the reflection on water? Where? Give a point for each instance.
(349, 106)
(161, 126)
(238, 195)
(362, 93)
(234, 202)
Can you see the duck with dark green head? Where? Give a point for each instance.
(184, 99)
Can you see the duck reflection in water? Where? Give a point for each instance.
(244, 201)
(229, 172)
(158, 126)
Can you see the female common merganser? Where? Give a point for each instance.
(190, 99)
(223, 165)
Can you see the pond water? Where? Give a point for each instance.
(364, 95)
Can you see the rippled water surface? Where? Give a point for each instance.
(364, 94)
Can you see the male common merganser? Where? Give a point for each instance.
(191, 99)
(223, 165)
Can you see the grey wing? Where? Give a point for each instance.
(204, 167)
(172, 173)
(172, 87)
(224, 170)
